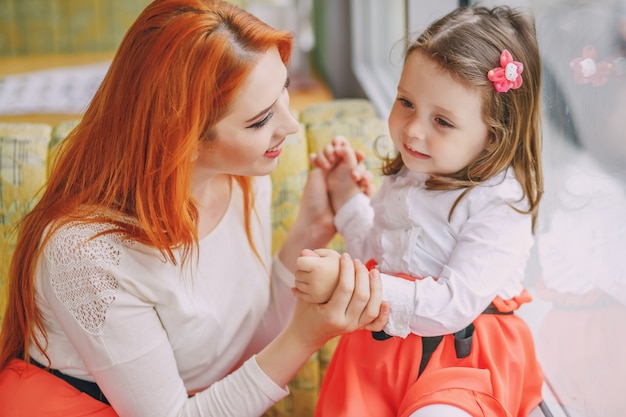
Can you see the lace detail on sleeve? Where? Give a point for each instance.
(80, 271)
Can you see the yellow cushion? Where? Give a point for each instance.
(288, 180)
(337, 110)
(59, 133)
(23, 156)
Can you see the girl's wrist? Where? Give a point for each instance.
(339, 199)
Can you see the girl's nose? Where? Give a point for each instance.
(414, 128)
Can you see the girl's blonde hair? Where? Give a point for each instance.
(466, 44)
(174, 76)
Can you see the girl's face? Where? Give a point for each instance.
(436, 122)
(249, 139)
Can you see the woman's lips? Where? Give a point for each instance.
(274, 151)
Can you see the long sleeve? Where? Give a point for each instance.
(489, 260)
(460, 264)
(278, 314)
(355, 221)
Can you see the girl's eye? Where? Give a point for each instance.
(287, 83)
(261, 123)
(442, 122)
(405, 103)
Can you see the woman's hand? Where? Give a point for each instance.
(315, 212)
(314, 226)
(355, 304)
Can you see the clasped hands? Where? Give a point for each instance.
(318, 271)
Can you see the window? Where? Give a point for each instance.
(577, 271)
(378, 33)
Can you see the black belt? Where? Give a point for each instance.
(462, 340)
(89, 388)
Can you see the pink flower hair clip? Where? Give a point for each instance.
(508, 75)
(587, 70)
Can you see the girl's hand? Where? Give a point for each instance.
(346, 172)
(317, 274)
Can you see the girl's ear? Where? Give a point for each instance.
(491, 143)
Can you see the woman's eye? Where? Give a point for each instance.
(261, 123)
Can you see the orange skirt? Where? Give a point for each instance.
(26, 390)
(500, 377)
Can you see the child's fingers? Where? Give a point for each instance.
(359, 173)
(301, 285)
(303, 296)
(360, 155)
(340, 141)
(309, 252)
(319, 160)
(329, 152)
(348, 156)
(325, 158)
(324, 252)
(305, 264)
(370, 189)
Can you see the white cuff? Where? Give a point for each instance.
(400, 294)
(265, 383)
(346, 212)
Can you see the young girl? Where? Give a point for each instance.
(454, 217)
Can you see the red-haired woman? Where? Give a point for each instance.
(142, 282)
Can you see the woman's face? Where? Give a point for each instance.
(249, 139)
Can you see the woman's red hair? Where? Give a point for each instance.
(173, 78)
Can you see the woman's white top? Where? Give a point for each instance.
(151, 333)
(480, 253)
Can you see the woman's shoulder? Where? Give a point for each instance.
(85, 240)
(94, 251)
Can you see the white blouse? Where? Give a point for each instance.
(151, 333)
(480, 253)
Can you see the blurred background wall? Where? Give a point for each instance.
(30, 27)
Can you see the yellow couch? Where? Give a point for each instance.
(25, 150)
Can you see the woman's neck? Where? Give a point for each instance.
(212, 198)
